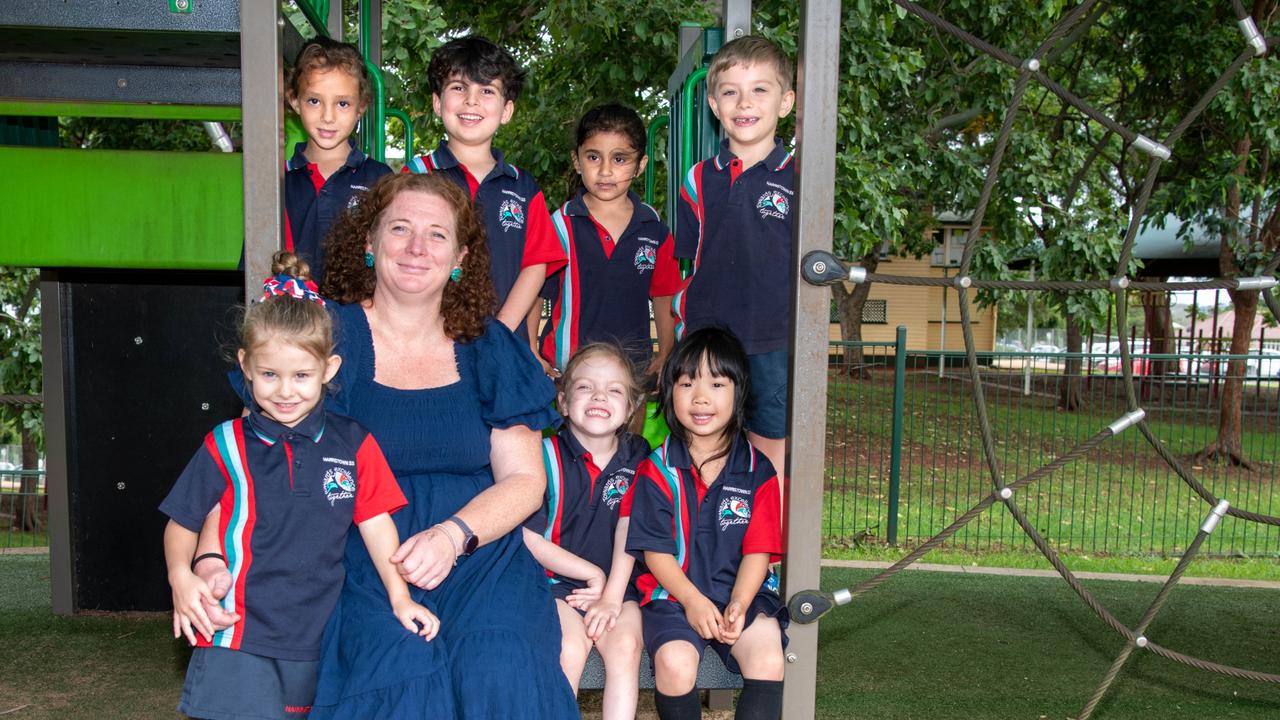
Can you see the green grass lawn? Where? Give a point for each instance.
(922, 646)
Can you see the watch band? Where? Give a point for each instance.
(469, 540)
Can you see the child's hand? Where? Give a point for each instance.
(704, 618)
(218, 578)
(601, 618)
(583, 598)
(415, 618)
(734, 619)
(190, 595)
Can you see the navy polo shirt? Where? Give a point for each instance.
(603, 292)
(583, 501)
(313, 202)
(734, 223)
(707, 529)
(516, 220)
(288, 496)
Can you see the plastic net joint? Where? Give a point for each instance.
(1033, 64)
(1215, 517)
(962, 281)
(1252, 36)
(857, 275)
(1256, 283)
(1151, 147)
(842, 597)
(1141, 641)
(1006, 493)
(1119, 283)
(1127, 421)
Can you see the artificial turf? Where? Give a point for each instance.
(923, 645)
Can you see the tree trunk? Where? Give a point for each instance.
(1159, 322)
(849, 309)
(26, 512)
(1069, 396)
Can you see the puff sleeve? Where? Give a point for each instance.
(512, 387)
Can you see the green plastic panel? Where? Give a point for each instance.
(120, 209)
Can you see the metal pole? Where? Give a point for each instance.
(737, 18)
(818, 62)
(334, 21)
(942, 332)
(61, 557)
(1026, 369)
(895, 448)
(263, 122)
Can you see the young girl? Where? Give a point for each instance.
(705, 519)
(620, 252)
(582, 529)
(328, 88)
(289, 479)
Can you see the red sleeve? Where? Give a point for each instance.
(540, 242)
(624, 509)
(377, 491)
(666, 278)
(764, 533)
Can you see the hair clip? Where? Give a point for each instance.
(293, 287)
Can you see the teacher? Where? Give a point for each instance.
(456, 403)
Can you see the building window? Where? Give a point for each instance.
(875, 312)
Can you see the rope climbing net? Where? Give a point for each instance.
(824, 269)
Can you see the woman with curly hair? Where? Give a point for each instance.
(457, 402)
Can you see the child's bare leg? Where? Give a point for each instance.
(675, 671)
(620, 650)
(574, 644)
(759, 655)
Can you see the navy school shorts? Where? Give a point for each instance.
(663, 621)
(225, 684)
(767, 403)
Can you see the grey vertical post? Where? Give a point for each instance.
(334, 21)
(818, 63)
(737, 19)
(263, 123)
(373, 47)
(53, 395)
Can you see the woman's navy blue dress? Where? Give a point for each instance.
(498, 651)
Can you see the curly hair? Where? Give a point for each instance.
(321, 54)
(478, 60)
(466, 304)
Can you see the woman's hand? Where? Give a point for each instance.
(218, 578)
(416, 618)
(426, 559)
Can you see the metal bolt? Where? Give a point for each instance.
(738, 32)
(137, 340)
(806, 608)
(791, 657)
(204, 406)
(280, 22)
(819, 267)
(119, 486)
(121, 82)
(182, 4)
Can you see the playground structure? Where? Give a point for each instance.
(113, 323)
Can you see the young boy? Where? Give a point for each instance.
(734, 223)
(474, 86)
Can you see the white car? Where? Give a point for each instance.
(1263, 364)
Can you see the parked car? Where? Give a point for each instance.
(1265, 364)
(1045, 348)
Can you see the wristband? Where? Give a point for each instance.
(206, 556)
(444, 531)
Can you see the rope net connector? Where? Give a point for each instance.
(1033, 64)
(962, 281)
(1215, 517)
(1141, 641)
(1151, 147)
(1006, 493)
(857, 275)
(1120, 283)
(1252, 35)
(1259, 282)
(1126, 421)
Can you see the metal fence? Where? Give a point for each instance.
(899, 477)
(24, 509)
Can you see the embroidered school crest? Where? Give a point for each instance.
(354, 200)
(511, 215)
(734, 511)
(339, 484)
(614, 489)
(773, 204)
(646, 258)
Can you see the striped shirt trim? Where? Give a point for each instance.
(229, 444)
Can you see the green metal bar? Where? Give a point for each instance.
(895, 446)
(316, 14)
(377, 114)
(403, 117)
(142, 111)
(688, 102)
(651, 170)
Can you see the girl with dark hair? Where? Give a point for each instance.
(705, 519)
(620, 252)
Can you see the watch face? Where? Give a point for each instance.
(469, 546)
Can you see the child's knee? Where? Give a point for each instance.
(675, 668)
(620, 647)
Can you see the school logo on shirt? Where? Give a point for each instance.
(771, 583)
(616, 487)
(354, 200)
(646, 258)
(773, 204)
(339, 484)
(734, 511)
(511, 215)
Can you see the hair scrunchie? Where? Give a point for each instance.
(293, 287)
